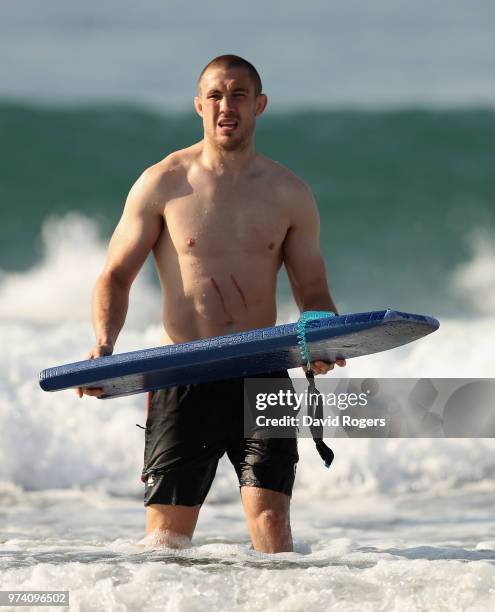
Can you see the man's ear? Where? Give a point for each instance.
(198, 106)
(261, 102)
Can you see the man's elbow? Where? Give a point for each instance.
(112, 278)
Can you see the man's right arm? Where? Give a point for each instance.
(133, 238)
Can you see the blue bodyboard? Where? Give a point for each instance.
(241, 354)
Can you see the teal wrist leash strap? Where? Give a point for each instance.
(315, 407)
(309, 315)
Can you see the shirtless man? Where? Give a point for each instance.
(220, 220)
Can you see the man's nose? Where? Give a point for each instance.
(226, 103)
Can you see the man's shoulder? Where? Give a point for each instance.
(161, 181)
(286, 182)
(169, 171)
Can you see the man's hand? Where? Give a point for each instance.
(322, 367)
(99, 350)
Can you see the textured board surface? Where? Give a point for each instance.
(241, 354)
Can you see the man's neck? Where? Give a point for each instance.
(221, 161)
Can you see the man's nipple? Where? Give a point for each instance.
(190, 242)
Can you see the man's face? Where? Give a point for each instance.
(229, 106)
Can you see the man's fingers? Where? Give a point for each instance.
(320, 364)
(100, 350)
(322, 367)
(92, 391)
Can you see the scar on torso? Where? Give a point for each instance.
(241, 292)
(220, 295)
(222, 301)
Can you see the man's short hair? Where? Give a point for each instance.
(234, 61)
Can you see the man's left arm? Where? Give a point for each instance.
(304, 262)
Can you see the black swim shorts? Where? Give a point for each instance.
(190, 427)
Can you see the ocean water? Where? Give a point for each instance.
(405, 197)
(386, 110)
(394, 525)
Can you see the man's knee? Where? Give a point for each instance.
(271, 519)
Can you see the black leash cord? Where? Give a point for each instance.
(316, 409)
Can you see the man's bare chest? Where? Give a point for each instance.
(216, 223)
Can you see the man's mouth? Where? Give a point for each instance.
(227, 125)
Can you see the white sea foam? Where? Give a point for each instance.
(474, 279)
(372, 553)
(390, 584)
(58, 289)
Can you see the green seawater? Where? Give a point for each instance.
(399, 192)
